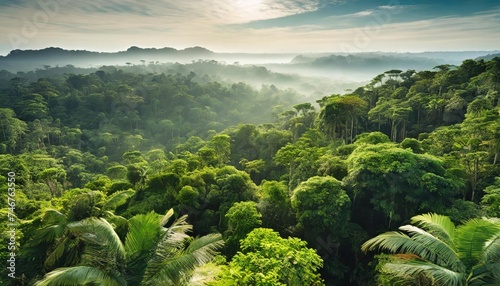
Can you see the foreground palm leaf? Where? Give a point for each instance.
(438, 251)
(80, 275)
(151, 255)
(171, 266)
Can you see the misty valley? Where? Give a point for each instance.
(192, 167)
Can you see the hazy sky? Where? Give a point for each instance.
(252, 25)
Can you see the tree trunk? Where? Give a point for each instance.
(476, 167)
(352, 127)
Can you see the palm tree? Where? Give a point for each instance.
(152, 254)
(435, 251)
(54, 231)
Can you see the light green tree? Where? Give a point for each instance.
(242, 218)
(267, 259)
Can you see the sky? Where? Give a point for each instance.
(252, 26)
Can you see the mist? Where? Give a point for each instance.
(313, 75)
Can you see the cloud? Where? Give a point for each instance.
(243, 25)
(476, 32)
(362, 13)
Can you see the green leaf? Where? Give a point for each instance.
(79, 275)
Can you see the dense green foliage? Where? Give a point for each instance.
(268, 259)
(99, 155)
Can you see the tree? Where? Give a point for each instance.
(11, 128)
(51, 177)
(301, 157)
(391, 184)
(268, 259)
(433, 249)
(221, 144)
(322, 207)
(153, 254)
(242, 218)
(340, 115)
(276, 207)
(491, 199)
(31, 106)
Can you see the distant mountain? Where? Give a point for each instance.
(364, 66)
(24, 60)
(377, 62)
(489, 57)
(354, 67)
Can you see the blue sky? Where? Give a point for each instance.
(252, 25)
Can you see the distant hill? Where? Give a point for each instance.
(375, 62)
(488, 57)
(24, 60)
(364, 66)
(353, 67)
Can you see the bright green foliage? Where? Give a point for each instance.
(188, 196)
(170, 254)
(11, 129)
(330, 165)
(266, 259)
(413, 144)
(322, 206)
(491, 199)
(242, 218)
(51, 230)
(119, 142)
(222, 147)
(302, 158)
(117, 172)
(433, 249)
(276, 207)
(178, 166)
(340, 114)
(372, 138)
(396, 183)
(53, 176)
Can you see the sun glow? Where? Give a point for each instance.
(251, 10)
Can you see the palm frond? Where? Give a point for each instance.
(47, 234)
(169, 269)
(180, 225)
(472, 237)
(99, 232)
(54, 225)
(202, 275)
(205, 247)
(115, 220)
(492, 249)
(166, 218)
(409, 269)
(51, 216)
(140, 243)
(79, 275)
(397, 242)
(438, 225)
(144, 233)
(445, 254)
(57, 253)
(117, 199)
(485, 275)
